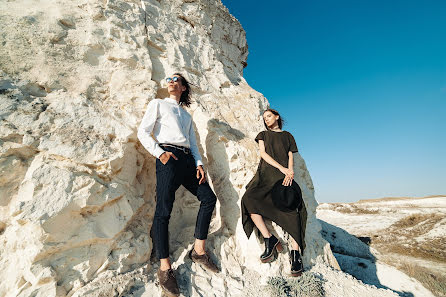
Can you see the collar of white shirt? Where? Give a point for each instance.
(168, 99)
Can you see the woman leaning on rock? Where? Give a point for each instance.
(273, 194)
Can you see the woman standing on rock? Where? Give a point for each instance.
(273, 194)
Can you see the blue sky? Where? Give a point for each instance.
(362, 86)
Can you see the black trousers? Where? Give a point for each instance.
(169, 177)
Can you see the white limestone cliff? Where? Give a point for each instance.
(77, 188)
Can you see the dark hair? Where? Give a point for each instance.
(275, 112)
(185, 96)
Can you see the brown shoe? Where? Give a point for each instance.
(204, 260)
(168, 282)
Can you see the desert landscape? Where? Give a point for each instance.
(406, 232)
(77, 189)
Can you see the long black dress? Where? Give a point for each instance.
(258, 199)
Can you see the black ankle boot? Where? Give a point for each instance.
(272, 245)
(296, 263)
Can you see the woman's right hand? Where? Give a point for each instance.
(287, 181)
(164, 158)
(287, 172)
(289, 176)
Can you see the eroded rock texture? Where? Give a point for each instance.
(77, 188)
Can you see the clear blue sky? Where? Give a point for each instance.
(362, 86)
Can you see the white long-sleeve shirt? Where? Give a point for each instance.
(169, 123)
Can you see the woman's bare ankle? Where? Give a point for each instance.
(267, 235)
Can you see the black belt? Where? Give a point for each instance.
(186, 150)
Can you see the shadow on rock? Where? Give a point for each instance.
(218, 139)
(354, 256)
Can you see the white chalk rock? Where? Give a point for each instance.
(78, 189)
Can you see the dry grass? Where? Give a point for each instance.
(397, 198)
(412, 220)
(400, 238)
(307, 285)
(353, 209)
(433, 281)
(432, 250)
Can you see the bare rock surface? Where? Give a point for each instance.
(77, 188)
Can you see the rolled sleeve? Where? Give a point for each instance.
(146, 127)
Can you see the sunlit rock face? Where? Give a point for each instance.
(77, 189)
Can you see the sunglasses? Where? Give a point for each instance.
(174, 79)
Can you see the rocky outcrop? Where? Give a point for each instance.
(77, 188)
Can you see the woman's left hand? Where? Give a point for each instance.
(287, 181)
(289, 177)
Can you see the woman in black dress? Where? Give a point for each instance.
(276, 164)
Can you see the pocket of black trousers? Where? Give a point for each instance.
(161, 166)
(170, 161)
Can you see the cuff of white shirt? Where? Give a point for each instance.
(158, 151)
(198, 162)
